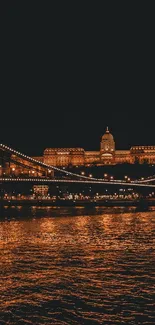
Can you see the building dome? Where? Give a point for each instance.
(108, 135)
(107, 143)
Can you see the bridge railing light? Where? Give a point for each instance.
(70, 173)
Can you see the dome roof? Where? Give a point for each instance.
(107, 135)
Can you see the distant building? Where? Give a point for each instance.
(107, 155)
(40, 190)
(68, 157)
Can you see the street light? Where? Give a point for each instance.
(13, 170)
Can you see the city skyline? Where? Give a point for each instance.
(77, 202)
(34, 140)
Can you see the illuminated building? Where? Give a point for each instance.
(68, 157)
(107, 154)
(40, 190)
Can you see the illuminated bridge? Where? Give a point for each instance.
(31, 170)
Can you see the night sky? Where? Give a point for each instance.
(69, 69)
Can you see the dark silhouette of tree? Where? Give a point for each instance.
(145, 161)
(136, 160)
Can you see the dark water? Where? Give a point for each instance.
(77, 267)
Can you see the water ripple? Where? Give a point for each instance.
(86, 269)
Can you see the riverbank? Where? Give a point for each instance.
(85, 203)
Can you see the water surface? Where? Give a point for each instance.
(74, 266)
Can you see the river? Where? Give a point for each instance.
(77, 266)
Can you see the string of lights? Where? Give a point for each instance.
(68, 173)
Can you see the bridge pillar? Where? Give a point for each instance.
(7, 168)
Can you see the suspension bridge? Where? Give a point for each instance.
(47, 174)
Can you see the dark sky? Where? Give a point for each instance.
(70, 68)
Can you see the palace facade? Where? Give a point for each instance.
(68, 157)
(107, 155)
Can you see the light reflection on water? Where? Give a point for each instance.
(67, 266)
